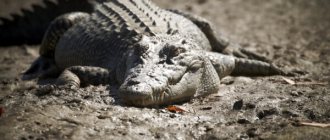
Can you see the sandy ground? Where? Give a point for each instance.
(295, 34)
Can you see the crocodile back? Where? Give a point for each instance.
(115, 26)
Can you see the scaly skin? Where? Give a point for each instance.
(157, 56)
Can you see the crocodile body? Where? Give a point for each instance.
(156, 56)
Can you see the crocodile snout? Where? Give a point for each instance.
(136, 94)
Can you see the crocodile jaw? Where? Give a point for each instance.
(159, 84)
(145, 94)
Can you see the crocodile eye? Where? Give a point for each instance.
(171, 51)
(178, 50)
(174, 51)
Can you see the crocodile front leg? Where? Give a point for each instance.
(77, 76)
(218, 41)
(202, 85)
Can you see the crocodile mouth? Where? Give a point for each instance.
(144, 95)
(171, 84)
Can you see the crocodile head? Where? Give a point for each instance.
(159, 71)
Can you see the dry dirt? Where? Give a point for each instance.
(295, 34)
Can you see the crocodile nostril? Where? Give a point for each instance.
(138, 94)
(130, 83)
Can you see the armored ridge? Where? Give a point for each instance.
(29, 24)
(155, 56)
(138, 17)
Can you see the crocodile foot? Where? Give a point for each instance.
(238, 51)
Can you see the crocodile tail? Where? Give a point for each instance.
(30, 26)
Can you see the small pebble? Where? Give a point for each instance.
(238, 105)
(206, 108)
(173, 115)
(250, 106)
(294, 93)
(243, 121)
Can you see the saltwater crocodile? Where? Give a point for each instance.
(156, 56)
